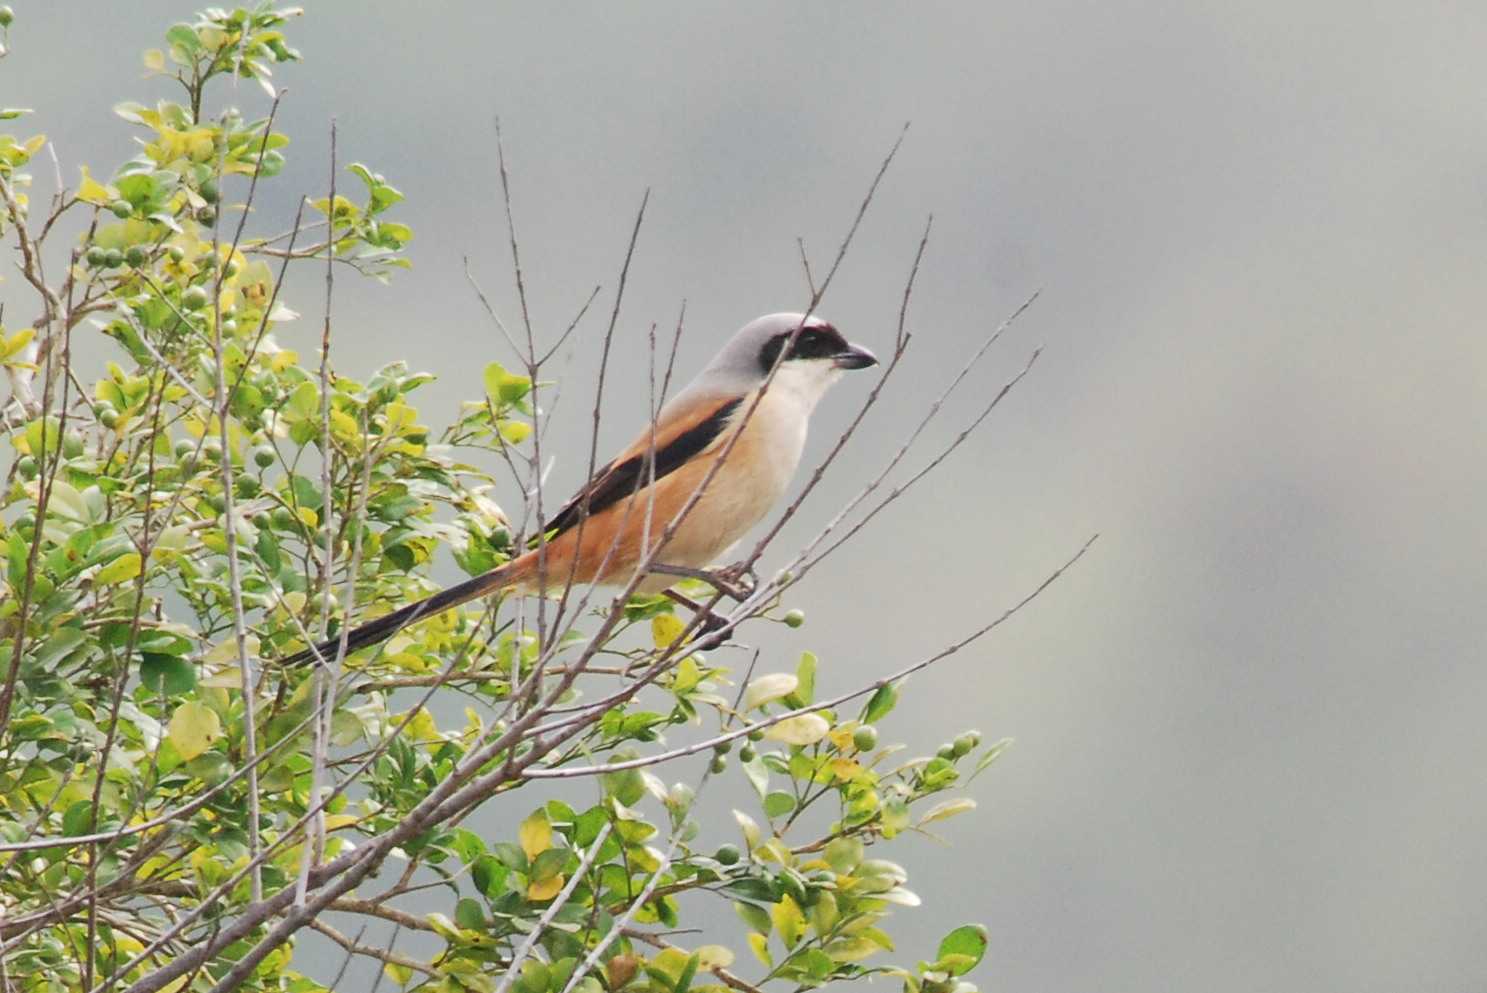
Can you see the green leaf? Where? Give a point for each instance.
(844, 854)
(779, 803)
(689, 971)
(754, 916)
(510, 855)
(468, 914)
(489, 875)
(880, 704)
(78, 819)
(548, 864)
(185, 37)
(992, 753)
(504, 387)
(167, 674)
(535, 977)
(758, 775)
(805, 678)
(968, 944)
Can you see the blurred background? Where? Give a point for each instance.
(1249, 730)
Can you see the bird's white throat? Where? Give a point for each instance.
(802, 383)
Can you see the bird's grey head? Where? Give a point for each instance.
(815, 360)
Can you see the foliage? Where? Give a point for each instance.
(165, 786)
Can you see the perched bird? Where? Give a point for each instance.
(606, 530)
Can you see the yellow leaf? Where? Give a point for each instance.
(852, 949)
(227, 651)
(759, 945)
(807, 729)
(92, 191)
(17, 341)
(768, 688)
(155, 60)
(788, 920)
(948, 808)
(309, 517)
(751, 831)
(546, 889)
(422, 727)
(714, 957)
(399, 416)
(845, 769)
(514, 432)
(665, 629)
(535, 834)
(193, 728)
(344, 425)
(123, 568)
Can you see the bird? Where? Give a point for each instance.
(619, 516)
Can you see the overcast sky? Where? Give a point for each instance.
(1250, 724)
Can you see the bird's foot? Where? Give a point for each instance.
(713, 629)
(737, 581)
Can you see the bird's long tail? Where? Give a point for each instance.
(379, 630)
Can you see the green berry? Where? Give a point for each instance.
(177, 253)
(728, 854)
(6, 16)
(230, 269)
(756, 735)
(263, 520)
(248, 487)
(747, 753)
(109, 418)
(865, 738)
(25, 522)
(723, 747)
(72, 445)
(122, 209)
(217, 502)
(207, 262)
(97, 257)
(963, 745)
(946, 752)
(795, 618)
(114, 258)
(284, 518)
(194, 298)
(264, 456)
(209, 190)
(719, 764)
(207, 216)
(212, 450)
(136, 256)
(184, 448)
(28, 467)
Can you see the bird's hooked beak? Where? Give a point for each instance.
(855, 357)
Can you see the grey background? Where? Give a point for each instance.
(1249, 733)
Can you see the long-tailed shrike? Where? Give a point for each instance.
(606, 530)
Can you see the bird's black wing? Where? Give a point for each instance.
(630, 473)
